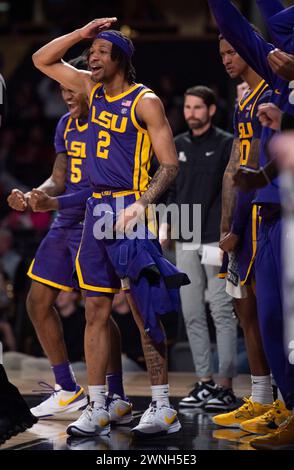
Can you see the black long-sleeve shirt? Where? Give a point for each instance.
(203, 161)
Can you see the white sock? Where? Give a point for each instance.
(97, 395)
(160, 394)
(262, 391)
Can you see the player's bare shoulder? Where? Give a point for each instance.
(149, 105)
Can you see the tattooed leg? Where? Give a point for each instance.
(155, 354)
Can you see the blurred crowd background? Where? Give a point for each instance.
(176, 47)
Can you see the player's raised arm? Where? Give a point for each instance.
(269, 8)
(48, 59)
(279, 22)
(150, 110)
(239, 33)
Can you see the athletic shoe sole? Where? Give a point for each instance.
(191, 405)
(77, 432)
(173, 429)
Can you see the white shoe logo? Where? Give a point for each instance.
(182, 157)
(208, 154)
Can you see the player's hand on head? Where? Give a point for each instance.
(282, 64)
(17, 200)
(270, 115)
(39, 201)
(90, 30)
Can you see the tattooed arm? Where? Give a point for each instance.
(243, 204)
(150, 111)
(228, 190)
(53, 186)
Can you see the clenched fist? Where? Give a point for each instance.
(41, 202)
(17, 200)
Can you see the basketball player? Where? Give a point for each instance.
(53, 267)
(254, 50)
(239, 229)
(126, 119)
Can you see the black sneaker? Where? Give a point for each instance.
(200, 394)
(15, 415)
(224, 400)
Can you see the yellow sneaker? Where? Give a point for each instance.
(283, 438)
(269, 422)
(247, 411)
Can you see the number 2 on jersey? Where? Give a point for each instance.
(103, 143)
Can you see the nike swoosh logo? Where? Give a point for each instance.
(70, 400)
(170, 420)
(122, 412)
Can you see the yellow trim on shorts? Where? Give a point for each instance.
(46, 281)
(221, 275)
(115, 193)
(254, 243)
(108, 290)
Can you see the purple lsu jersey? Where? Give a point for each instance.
(118, 145)
(246, 122)
(70, 138)
(245, 220)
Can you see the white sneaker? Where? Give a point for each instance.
(157, 422)
(61, 404)
(120, 410)
(92, 422)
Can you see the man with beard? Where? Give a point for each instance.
(203, 152)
